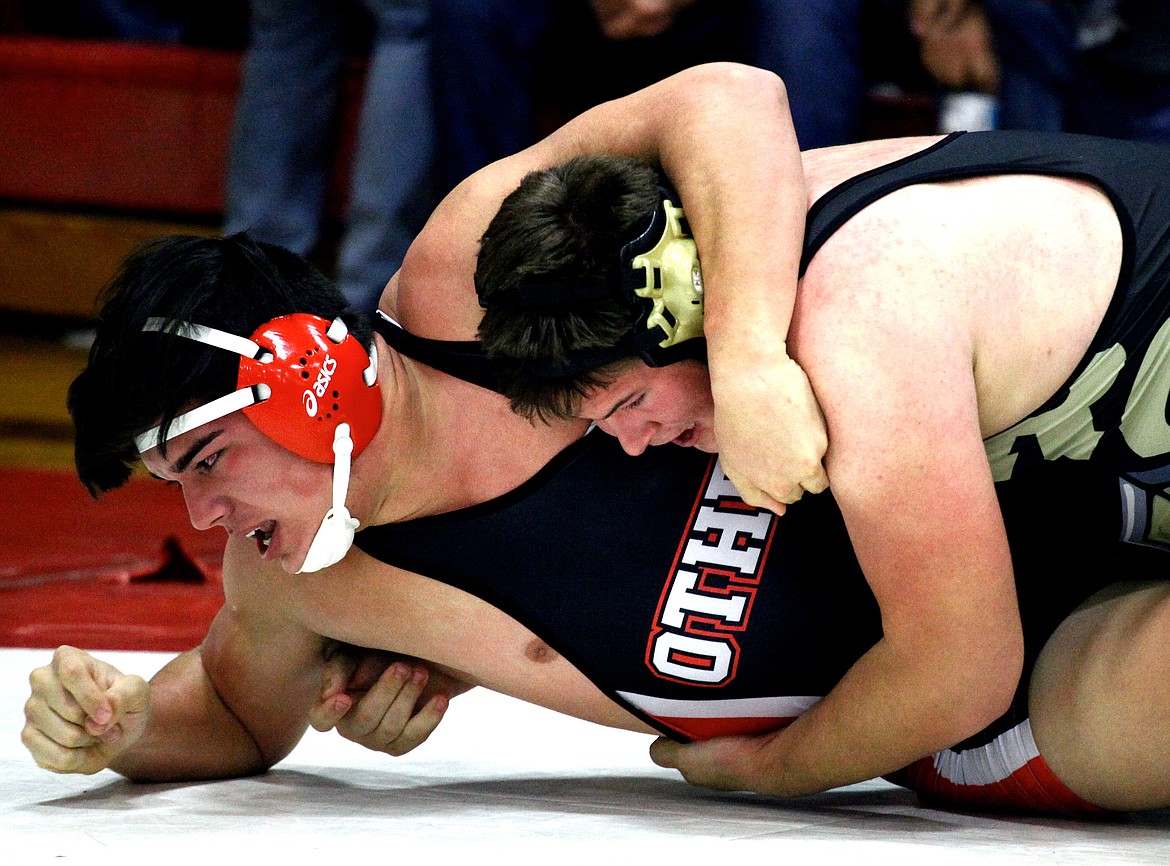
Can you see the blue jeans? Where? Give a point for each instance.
(280, 158)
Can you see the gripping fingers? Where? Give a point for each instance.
(59, 732)
(48, 690)
(386, 719)
(706, 764)
(420, 726)
(40, 717)
(329, 711)
(80, 712)
(62, 746)
(334, 702)
(57, 758)
(757, 498)
(79, 679)
(129, 698)
(384, 710)
(817, 482)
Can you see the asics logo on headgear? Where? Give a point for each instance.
(309, 398)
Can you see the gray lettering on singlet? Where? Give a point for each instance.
(1067, 431)
(1133, 512)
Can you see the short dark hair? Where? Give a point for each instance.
(566, 222)
(134, 380)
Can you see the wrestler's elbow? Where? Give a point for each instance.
(956, 682)
(737, 81)
(984, 682)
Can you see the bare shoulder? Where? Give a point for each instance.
(1005, 275)
(826, 167)
(889, 270)
(942, 313)
(259, 608)
(433, 295)
(885, 330)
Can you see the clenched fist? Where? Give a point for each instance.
(769, 430)
(82, 713)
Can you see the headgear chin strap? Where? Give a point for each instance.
(660, 278)
(335, 535)
(308, 385)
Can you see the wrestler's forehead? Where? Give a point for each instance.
(631, 385)
(176, 455)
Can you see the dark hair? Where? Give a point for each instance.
(134, 380)
(563, 223)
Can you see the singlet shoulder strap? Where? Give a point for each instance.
(844, 201)
(463, 359)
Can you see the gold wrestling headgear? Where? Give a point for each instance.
(658, 276)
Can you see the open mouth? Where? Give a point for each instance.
(263, 536)
(686, 438)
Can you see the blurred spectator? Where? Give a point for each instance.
(286, 118)
(956, 50)
(503, 62)
(955, 44)
(1091, 66)
(1097, 66)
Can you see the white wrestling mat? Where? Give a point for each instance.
(501, 778)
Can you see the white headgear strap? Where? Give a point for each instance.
(335, 535)
(220, 406)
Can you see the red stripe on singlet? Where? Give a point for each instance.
(1032, 788)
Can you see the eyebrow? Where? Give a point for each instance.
(622, 402)
(183, 462)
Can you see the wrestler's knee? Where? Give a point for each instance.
(1100, 698)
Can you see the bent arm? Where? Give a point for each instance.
(894, 371)
(232, 707)
(723, 134)
(194, 733)
(690, 124)
(946, 667)
(892, 349)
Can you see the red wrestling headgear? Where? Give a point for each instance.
(309, 386)
(319, 376)
(300, 377)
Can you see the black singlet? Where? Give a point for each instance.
(652, 578)
(463, 359)
(694, 611)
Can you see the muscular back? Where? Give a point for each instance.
(1018, 269)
